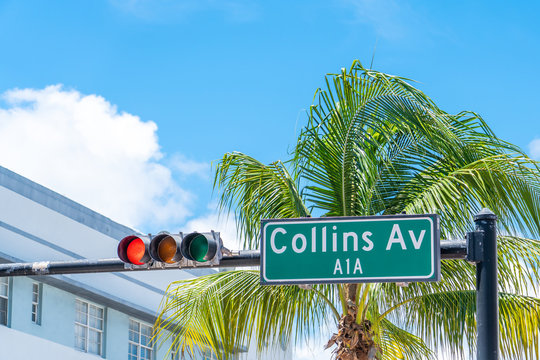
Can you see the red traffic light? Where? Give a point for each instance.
(134, 250)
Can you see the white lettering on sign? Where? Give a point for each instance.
(354, 236)
(273, 240)
(300, 249)
(355, 239)
(334, 239)
(324, 239)
(417, 243)
(357, 267)
(350, 239)
(396, 237)
(368, 241)
(313, 239)
(338, 268)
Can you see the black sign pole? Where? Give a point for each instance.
(487, 306)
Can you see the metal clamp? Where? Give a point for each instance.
(475, 246)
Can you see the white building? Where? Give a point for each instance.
(80, 316)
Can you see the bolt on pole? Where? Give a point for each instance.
(487, 304)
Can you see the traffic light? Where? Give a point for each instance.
(133, 249)
(166, 248)
(172, 249)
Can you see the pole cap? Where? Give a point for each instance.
(485, 214)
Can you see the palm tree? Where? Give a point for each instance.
(374, 145)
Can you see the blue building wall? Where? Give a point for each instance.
(58, 320)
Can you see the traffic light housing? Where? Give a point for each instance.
(165, 249)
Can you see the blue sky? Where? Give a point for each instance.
(171, 86)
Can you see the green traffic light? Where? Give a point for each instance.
(199, 248)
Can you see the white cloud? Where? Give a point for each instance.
(186, 166)
(534, 149)
(82, 147)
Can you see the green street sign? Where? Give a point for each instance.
(396, 248)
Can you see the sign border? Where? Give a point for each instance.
(435, 255)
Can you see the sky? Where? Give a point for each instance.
(126, 105)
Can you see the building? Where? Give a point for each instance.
(79, 316)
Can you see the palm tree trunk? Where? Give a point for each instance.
(354, 340)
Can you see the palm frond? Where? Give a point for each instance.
(257, 192)
(397, 343)
(360, 122)
(518, 272)
(519, 265)
(447, 321)
(505, 183)
(224, 310)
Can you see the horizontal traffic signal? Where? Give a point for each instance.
(195, 247)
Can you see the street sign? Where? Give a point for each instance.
(395, 248)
